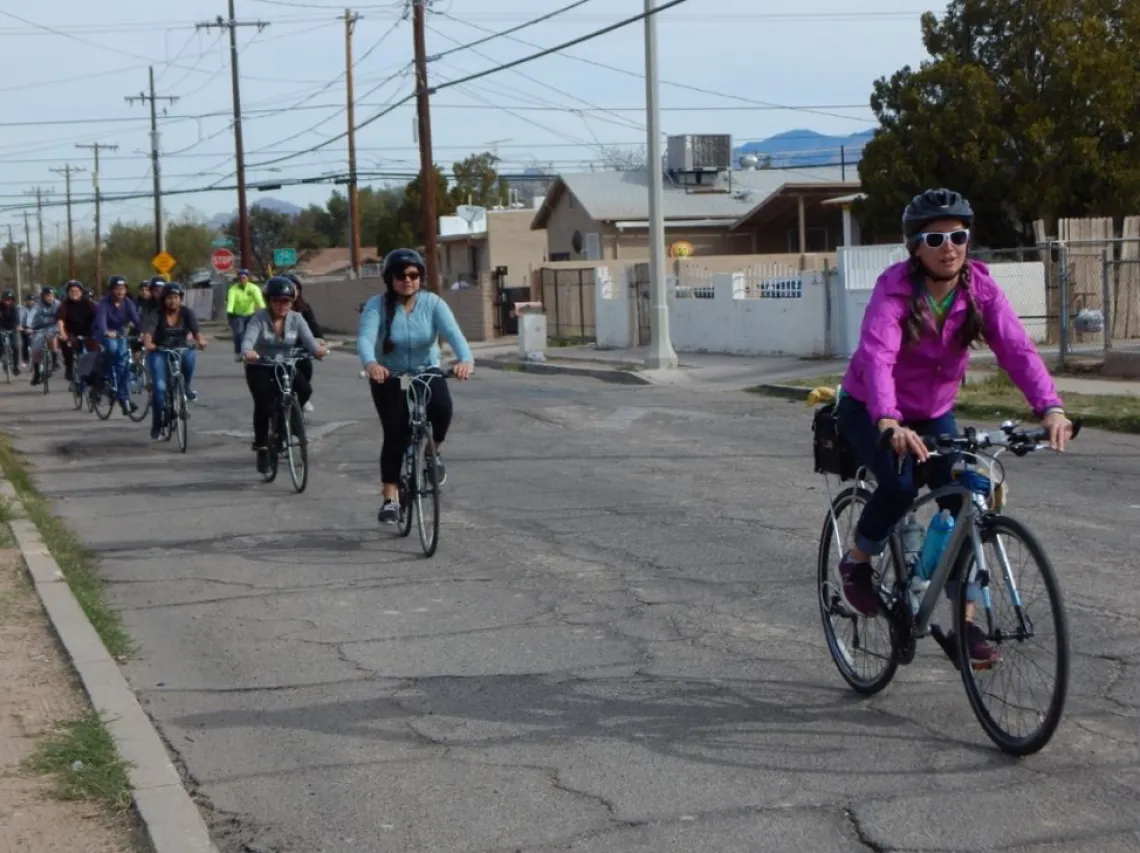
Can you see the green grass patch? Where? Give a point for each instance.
(86, 765)
(75, 560)
(994, 397)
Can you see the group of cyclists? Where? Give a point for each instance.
(399, 333)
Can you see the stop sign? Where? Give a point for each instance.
(222, 260)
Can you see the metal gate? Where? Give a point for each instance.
(640, 304)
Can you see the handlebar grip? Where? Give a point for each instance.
(1076, 427)
(885, 437)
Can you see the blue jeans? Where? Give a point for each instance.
(237, 327)
(896, 489)
(156, 364)
(118, 362)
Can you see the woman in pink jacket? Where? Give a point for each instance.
(924, 316)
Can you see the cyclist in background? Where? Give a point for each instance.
(76, 325)
(305, 310)
(243, 300)
(271, 331)
(146, 302)
(398, 333)
(113, 315)
(25, 335)
(170, 328)
(9, 330)
(42, 324)
(924, 315)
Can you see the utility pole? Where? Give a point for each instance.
(427, 170)
(245, 244)
(28, 243)
(353, 202)
(39, 193)
(661, 353)
(16, 246)
(67, 171)
(96, 147)
(153, 99)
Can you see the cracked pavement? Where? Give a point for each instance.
(617, 648)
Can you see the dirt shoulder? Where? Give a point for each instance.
(62, 787)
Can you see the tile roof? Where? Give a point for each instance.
(609, 196)
(328, 261)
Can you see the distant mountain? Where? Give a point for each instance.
(806, 148)
(220, 220)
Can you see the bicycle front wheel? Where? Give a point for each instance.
(138, 392)
(104, 403)
(426, 494)
(863, 649)
(181, 421)
(296, 444)
(1019, 610)
(76, 394)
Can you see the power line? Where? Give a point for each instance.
(505, 33)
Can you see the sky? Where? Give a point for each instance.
(68, 66)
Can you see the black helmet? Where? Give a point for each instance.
(292, 276)
(158, 281)
(116, 281)
(932, 205)
(279, 286)
(173, 287)
(398, 260)
(8, 295)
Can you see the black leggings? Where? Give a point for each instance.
(392, 407)
(263, 388)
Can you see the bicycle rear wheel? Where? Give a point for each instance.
(863, 649)
(273, 446)
(406, 494)
(296, 444)
(77, 395)
(1011, 622)
(426, 494)
(181, 422)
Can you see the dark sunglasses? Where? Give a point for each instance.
(407, 276)
(935, 239)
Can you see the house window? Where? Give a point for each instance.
(817, 239)
(559, 256)
(593, 247)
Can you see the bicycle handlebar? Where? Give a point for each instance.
(1009, 436)
(287, 357)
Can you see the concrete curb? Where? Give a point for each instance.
(617, 377)
(790, 392)
(172, 821)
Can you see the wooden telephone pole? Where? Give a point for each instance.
(39, 193)
(67, 171)
(153, 99)
(96, 147)
(353, 199)
(244, 242)
(427, 167)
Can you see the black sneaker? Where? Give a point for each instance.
(389, 513)
(437, 471)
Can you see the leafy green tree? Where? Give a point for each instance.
(407, 219)
(477, 181)
(1029, 109)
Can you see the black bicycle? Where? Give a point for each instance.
(81, 391)
(907, 599)
(105, 392)
(8, 355)
(175, 411)
(419, 492)
(287, 422)
(49, 358)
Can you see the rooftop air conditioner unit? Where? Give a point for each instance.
(705, 153)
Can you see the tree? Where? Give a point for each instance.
(190, 240)
(1028, 109)
(477, 181)
(619, 159)
(408, 217)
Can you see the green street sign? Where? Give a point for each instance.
(284, 257)
(222, 243)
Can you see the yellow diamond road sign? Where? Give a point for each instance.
(163, 262)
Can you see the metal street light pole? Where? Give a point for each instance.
(661, 353)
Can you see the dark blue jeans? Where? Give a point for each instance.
(237, 328)
(896, 489)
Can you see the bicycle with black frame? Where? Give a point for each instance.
(287, 421)
(9, 355)
(909, 591)
(419, 493)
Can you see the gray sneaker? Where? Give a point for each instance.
(389, 513)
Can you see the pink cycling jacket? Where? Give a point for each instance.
(912, 383)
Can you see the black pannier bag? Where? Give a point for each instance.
(833, 453)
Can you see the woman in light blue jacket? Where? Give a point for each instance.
(398, 334)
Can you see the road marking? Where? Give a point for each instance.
(314, 434)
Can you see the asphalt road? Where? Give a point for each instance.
(616, 649)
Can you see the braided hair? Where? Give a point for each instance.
(971, 332)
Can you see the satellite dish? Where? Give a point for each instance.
(749, 161)
(576, 242)
(470, 214)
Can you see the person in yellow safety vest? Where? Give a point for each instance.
(243, 300)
